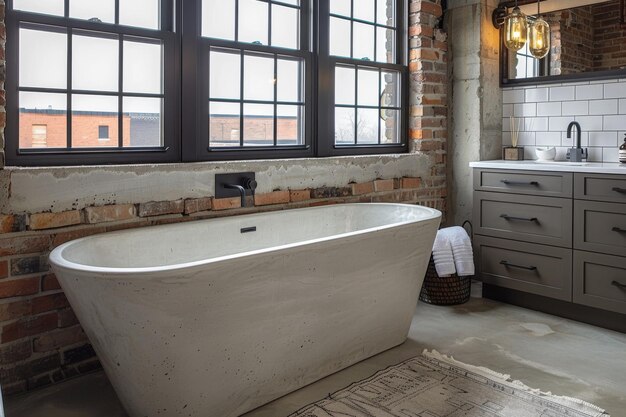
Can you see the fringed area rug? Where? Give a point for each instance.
(433, 385)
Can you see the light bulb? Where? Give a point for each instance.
(539, 38)
(515, 30)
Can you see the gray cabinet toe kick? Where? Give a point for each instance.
(555, 235)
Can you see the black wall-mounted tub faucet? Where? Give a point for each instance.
(239, 184)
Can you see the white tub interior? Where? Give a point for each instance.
(206, 240)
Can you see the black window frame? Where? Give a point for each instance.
(186, 83)
(166, 35)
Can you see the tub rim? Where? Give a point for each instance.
(57, 260)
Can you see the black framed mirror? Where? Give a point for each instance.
(588, 42)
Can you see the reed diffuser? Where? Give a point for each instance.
(514, 152)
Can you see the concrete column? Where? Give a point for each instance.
(475, 99)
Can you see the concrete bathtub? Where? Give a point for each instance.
(215, 318)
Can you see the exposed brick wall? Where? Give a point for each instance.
(41, 341)
(609, 37)
(3, 114)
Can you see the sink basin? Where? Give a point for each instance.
(561, 163)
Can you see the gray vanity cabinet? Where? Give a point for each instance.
(554, 234)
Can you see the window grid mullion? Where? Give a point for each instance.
(275, 99)
(356, 105)
(241, 97)
(117, 12)
(70, 34)
(236, 21)
(380, 95)
(120, 96)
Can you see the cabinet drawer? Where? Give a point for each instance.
(611, 188)
(550, 184)
(537, 269)
(600, 227)
(545, 220)
(600, 281)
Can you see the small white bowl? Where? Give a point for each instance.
(545, 154)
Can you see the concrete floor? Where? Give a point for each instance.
(543, 351)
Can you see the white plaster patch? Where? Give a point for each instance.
(66, 188)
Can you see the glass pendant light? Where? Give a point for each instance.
(539, 36)
(515, 29)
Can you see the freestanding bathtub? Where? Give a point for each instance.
(215, 318)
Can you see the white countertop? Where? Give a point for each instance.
(558, 166)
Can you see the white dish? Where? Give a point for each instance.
(545, 154)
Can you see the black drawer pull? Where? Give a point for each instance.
(510, 265)
(618, 230)
(619, 190)
(507, 182)
(523, 219)
(619, 285)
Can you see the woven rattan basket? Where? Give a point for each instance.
(445, 291)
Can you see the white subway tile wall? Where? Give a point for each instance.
(547, 110)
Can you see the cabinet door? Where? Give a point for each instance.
(598, 187)
(544, 220)
(536, 269)
(600, 281)
(600, 227)
(548, 184)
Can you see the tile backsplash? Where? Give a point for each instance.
(546, 110)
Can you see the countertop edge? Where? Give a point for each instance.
(614, 168)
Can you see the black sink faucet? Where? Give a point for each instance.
(576, 154)
(236, 184)
(247, 184)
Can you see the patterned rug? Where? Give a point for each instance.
(433, 385)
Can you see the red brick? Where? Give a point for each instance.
(59, 338)
(194, 205)
(299, 195)
(4, 269)
(29, 327)
(411, 182)
(29, 265)
(226, 203)
(11, 223)
(67, 318)
(383, 185)
(49, 302)
(23, 245)
(160, 208)
(15, 352)
(15, 310)
(362, 188)
(111, 213)
(19, 287)
(49, 282)
(275, 197)
(40, 221)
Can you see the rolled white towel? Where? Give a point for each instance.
(461, 250)
(442, 255)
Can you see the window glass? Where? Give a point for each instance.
(142, 121)
(90, 111)
(218, 19)
(94, 10)
(53, 7)
(43, 59)
(95, 63)
(140, 13)
(143, 67)
(42, 109)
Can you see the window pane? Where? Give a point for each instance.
(224, 75)
(344, 85)
(340, 7)
(364, 10)
(368, 93)
(390, 89)
(367, 125)
(43, 120)
(253, 20)
(344, 126)
(43, 59)
(140, 13)
(390, 126)
(385, 45)
(285, 27)
(143, 67)
(143, 121)
(385, 10)
(289, 80)
(88, 114)
(218, 19)
(258, 125)
(95, 63)
(289, 127)
(96, 10)
(258, 78)
(54, 7)
(339, 37)
(224, 124)
(293, 2)
(363, 41)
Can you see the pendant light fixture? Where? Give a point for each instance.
(539, 36)
(515, 29)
